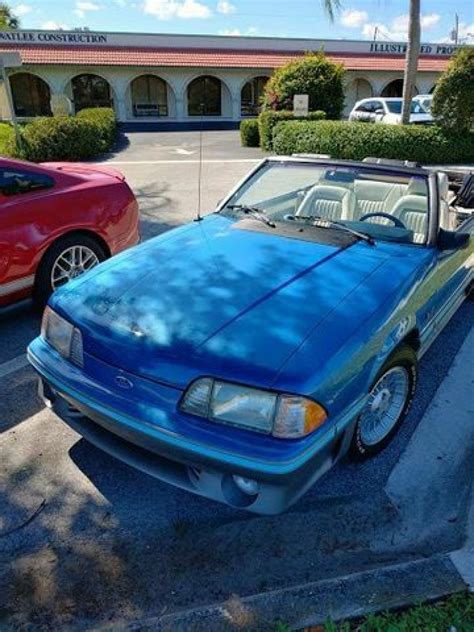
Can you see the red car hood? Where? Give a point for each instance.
(84, 170)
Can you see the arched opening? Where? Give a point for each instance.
(205, 97)
(90, 91)
(356, 90)
(251, 96)
(395, 89)
(149, 96)
(31, 95)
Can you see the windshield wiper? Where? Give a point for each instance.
(254, 211)
(320, 222)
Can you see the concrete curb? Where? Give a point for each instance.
(392, 586)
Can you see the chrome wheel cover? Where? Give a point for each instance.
(384, 405)
(71, 263)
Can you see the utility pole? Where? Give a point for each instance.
(455, 31)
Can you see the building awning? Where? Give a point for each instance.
(204, 58)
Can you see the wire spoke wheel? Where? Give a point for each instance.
(71, 263)
(384, 406)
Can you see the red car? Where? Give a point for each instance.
(58, 220)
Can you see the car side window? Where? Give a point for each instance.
(377, 105)
(363, 108)
(16, 182)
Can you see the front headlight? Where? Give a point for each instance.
(62, 336)
(284, 416)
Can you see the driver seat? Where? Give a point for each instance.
(328, 202)
(412, 209)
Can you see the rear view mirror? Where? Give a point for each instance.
(452, 240)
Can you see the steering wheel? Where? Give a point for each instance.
(396, 222)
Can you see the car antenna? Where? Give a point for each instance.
(198, 217)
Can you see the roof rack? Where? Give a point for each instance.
(392, 162)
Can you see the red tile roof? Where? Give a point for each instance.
(200, 57)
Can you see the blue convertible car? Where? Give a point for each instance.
(242, 355)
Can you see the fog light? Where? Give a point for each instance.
(246, 485)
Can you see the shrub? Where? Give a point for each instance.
(268, 119)
(453, 98)
(313, 75)
(88, 134)
(249, 135)
(104, 119)
(342, 139)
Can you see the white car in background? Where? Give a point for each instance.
(388, 111)
(425, 100)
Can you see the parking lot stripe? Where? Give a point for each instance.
(178, 162)
(13, 365)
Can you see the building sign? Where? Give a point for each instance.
(401, 49)
(300, 105)
(52, 37)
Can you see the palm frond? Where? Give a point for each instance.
(331, 7)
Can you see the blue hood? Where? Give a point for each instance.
(209, 298)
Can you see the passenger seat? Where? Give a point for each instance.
(376, 197)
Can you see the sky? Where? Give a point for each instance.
(357, 19)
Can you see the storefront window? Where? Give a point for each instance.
(149, 96)
(204, 97)
(251, 96)
(90, 91)
(31, 95)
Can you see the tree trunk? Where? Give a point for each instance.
(411, 59)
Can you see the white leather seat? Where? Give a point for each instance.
(412, 208)
(328, 202)
(448, 217)
(376, 197)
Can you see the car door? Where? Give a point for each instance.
(361, 113)
(20, 190)
(445, 283)
(378, 111)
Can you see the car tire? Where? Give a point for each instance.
(43, 287)
(395, 386)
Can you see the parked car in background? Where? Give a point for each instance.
(388, 111)
(425, 100)
(57, 221)
(288, 334)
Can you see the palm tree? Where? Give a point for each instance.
(7, 19)
(411, 57)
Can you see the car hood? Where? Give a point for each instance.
(209, 298)
(84, 170)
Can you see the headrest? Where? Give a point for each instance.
(327, 192)
(417, 186)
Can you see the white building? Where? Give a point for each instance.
(173, 80)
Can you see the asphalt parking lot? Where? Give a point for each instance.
(85, 538)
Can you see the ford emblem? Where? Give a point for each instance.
(123, 382)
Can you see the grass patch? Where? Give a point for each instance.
(454, 613)
(6, 135)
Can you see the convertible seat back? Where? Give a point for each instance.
(376, 197)
(412, 209)
(328, 202)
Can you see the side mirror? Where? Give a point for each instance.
(452, 240)
(379, 111)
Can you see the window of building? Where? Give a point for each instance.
(16, 182)
(90, 91)
(251, 96)
(149, 96)
(204, 97)
(31, 95)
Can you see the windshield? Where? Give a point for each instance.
(384, 205)
(395, 107)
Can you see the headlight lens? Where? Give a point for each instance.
(284, 416)
(62, 336)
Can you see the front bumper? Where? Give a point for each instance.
(200, 469)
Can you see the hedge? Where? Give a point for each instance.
(425, 144)
(249, 134)
(86, 135)
(268, 119)
(104, 119)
